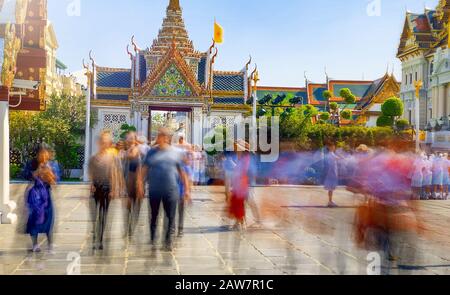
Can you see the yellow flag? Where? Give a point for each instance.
(218, 33)
(448, 28)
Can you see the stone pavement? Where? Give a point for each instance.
(299, 236)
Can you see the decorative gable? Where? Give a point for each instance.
(172, 84)
(172, 77)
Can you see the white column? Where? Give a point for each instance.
(5, 205)
(441, 105)
(145, 125)
(254, 127)
(87, 145)
(197, 127)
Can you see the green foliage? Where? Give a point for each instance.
(334, 106)
(349, 137)
(347, 95)
(293, 124)
(310, 110)
(347, 114)
(402, 124)
(125, 128)
(70, 108)
(385, 121)
(14, 171)
(327, 94)
(60, 126)
(325, 116)
(67, 157)
(393, 107)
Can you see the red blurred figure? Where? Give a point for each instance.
(240, 184)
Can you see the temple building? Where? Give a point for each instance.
(169, 76)
(57, 81)
(370, 95)
(425, 56)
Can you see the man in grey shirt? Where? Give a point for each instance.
(163, 167)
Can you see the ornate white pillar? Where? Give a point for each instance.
(441, 104)
(434, 102)
(197, 126)
(145, 124)
(6, 206)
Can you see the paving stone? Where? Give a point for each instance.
(306, 240)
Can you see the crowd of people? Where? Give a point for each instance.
(164, 172)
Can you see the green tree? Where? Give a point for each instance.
(325, 116)
(61, 127)
(347, 114)
(402, 124)
(334, 106)
(348, 96)
(385, 121)
(391, 110)
(327, 95)
(393, 107)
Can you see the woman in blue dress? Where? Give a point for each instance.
(39, 201)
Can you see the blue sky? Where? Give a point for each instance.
(285, 37)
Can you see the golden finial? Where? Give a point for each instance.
(418, 85)
(174, 5)
(255, 77)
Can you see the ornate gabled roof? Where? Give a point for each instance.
(201, 74)
(142, 67)
(425, 32)
(113, 77)
(377, 87)
(173, 58)
(228, 81)
(315, 93)
(417, 34)
(173, 28)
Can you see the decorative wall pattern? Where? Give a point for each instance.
(113, 122)
(172, 84)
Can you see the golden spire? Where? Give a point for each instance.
(174, 5)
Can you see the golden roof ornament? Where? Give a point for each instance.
(174, 5)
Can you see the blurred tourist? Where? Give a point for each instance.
(39, 201)
(132, 169)
(331, 174)
(164, 168)
(107, 184)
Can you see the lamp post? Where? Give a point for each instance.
(418, 85)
